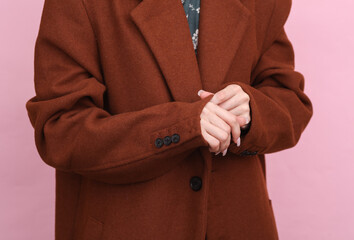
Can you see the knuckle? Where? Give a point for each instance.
(228, 128)
(231, 87)
(214, 144)
(224, 136)
(211, 105)
(243, 107)
(237, 87)
(206, 110)
(220, 95)
(234, 120)
(247, 108)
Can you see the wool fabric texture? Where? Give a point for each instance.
(117, 115)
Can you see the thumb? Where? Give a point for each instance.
(204, 94)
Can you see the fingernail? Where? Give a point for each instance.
(224, 152)
(238, 142)
(199, 92)
(247, 120)
(217, 153)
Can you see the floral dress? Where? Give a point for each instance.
(192, 8)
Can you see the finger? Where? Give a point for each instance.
(217, 133)
(242, 121)
(203, 94)
(217, 121)
(229, 118)
(212, 141)
(213, 118)
(228, 141)
(240, 110)
(224, 94)
(232, 102)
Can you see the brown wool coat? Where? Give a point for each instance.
(112, 76)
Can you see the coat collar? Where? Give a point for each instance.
(164, 26)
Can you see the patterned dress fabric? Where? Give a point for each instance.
(192, 8)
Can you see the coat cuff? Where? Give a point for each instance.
(253, 134)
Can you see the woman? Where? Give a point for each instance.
(117, 114)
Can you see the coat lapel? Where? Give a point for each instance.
(164, 25)
(222, 26)
(165, 28)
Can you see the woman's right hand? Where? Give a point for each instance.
(217, 124)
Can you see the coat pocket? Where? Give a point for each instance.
(93, 229)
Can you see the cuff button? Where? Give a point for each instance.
(175, 138)
(158, 142)
(167, 140)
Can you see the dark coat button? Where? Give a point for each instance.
(158, 142)
(175, 138)
(196, 183)
(167, 140)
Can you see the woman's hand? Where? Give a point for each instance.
(234, 100)
(216, 125)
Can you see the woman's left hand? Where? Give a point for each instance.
(233, 99)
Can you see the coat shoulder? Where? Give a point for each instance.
(281, 10)
(271, 16)
(272, 10)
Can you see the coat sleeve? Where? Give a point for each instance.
(280, 110)
(73, 131)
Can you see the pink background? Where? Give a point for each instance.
(311, 185)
